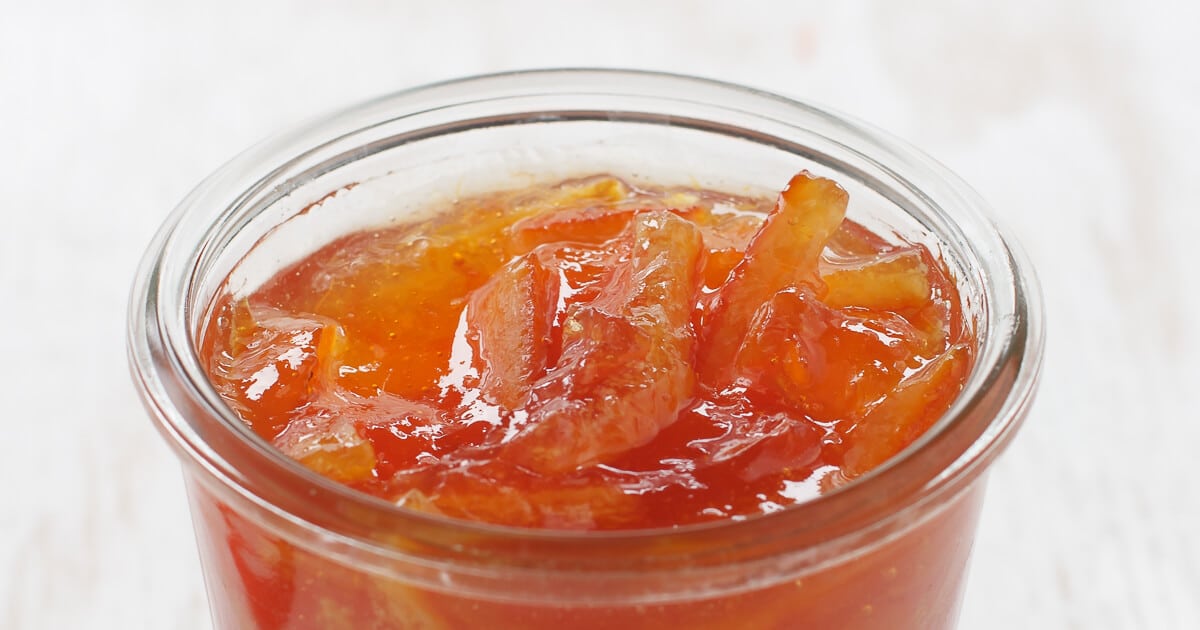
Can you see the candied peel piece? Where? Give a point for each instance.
(755, 444)
(624, 371)
(580, 271)
(328, 443)
(511, 330)
(509, 322)
(276, 362)
(536, 217)
(908, 411)
(785, 252)
(941, 321)
(861, 268)
(895, 281)
(832, 363)
(591, 224)
(349, 437)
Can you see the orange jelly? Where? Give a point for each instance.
(594, 355)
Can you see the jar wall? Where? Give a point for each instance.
(258, 577)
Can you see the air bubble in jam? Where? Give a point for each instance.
(595, 355)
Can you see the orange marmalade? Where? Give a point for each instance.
(598, 355)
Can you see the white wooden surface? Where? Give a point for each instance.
(1078, 120)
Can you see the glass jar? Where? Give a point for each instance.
(285, 548)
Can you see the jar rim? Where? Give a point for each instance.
(206, 433)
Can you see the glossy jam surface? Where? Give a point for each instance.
(591, 355)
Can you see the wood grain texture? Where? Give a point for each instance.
(1077, 120)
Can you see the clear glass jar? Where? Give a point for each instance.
(285, 548)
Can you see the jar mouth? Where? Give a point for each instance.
(165, 311)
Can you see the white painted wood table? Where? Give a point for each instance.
(1078, 120)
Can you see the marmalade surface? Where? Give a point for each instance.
(599, 355)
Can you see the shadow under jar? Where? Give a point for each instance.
(283, 547)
